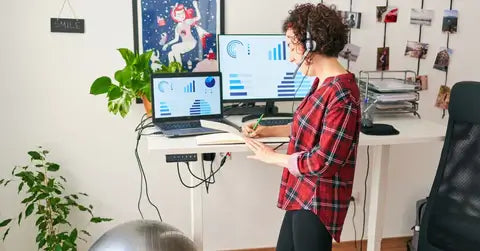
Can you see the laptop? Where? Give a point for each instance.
(181, 100)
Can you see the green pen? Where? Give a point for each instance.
(258, 122)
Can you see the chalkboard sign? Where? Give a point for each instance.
(67, 25)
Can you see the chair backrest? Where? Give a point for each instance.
(452, 216)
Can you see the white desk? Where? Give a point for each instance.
(412, 130)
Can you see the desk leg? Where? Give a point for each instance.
(196, 204)
(378, 187)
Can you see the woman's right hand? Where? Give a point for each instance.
(259, 132)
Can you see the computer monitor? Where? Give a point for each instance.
(256, 68)
(186, 96)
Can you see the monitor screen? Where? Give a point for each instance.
(256, 68)
(186, 95)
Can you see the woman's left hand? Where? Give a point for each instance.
(262, 152)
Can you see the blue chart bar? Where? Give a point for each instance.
(294, 88)
(279, 52)
(200, 107)
(236, 84)
(164, 110)
(238, 94)
(190, 87)
(279, 47)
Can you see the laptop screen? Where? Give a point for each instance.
(186, 96)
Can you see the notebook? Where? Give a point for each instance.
(180, 100)
(230, 135)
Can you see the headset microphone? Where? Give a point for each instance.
(301, 62)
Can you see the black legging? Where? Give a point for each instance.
(302, 230)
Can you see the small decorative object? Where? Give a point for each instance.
(416, 49)
(351, 19)
(443, 59)
(421, 17)
(133, 81)
(421, 81)
(350, 52)
(443, 97)
(47, 201)
(450, 19)
(386, 14)
(383, 59)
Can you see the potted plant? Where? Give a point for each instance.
(133, 81)
(44, 197)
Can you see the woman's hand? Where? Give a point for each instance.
(262, 152)
(259, 132)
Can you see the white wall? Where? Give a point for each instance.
(45, 100)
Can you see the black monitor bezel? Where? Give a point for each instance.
(253, 99)
(186, 75)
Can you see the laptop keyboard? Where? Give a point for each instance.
(181, 125)
(274, 122)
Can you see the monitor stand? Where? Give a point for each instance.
(269, 110)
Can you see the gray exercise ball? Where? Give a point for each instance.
(143, 235)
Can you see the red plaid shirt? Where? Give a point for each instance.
(323, 147)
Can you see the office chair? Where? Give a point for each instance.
(452, 216)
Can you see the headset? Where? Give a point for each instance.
(310, 45)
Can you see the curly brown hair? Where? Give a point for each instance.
(326, 27)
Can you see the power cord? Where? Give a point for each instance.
(365, 197)
(205, 180)
(143, 178)
(353, 221)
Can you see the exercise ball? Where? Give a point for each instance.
(143, 235)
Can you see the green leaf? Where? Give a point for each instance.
(73, 235)
(39, 220)
(127, 55)
(84, 194)
(29, 199)
(41, 243)
(52, 167)
(35, 155)
(15, 168)
(5, 222)
(1, 181)
(75, 196)
(98, 219)
(20, 187)
(123, 76)
(42, 196)
(20, 218)
(63, 178)
(58, 247)
(29, 210)
(6, 183)
(114, 93)
(40, 236)
(86, 233)
(101, 85)
(5, 234)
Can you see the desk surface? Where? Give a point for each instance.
(412, 130)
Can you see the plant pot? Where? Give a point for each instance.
(147, 105)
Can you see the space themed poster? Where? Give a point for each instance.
(183, 31)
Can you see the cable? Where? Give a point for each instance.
(353, 222)
(295, 94)
(365, 197)
(142, 171)
(206, 179)
(279, 146)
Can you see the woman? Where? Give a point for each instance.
(319, 165)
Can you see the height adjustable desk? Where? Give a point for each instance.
(412, 130)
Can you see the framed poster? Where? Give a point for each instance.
(183, 31)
